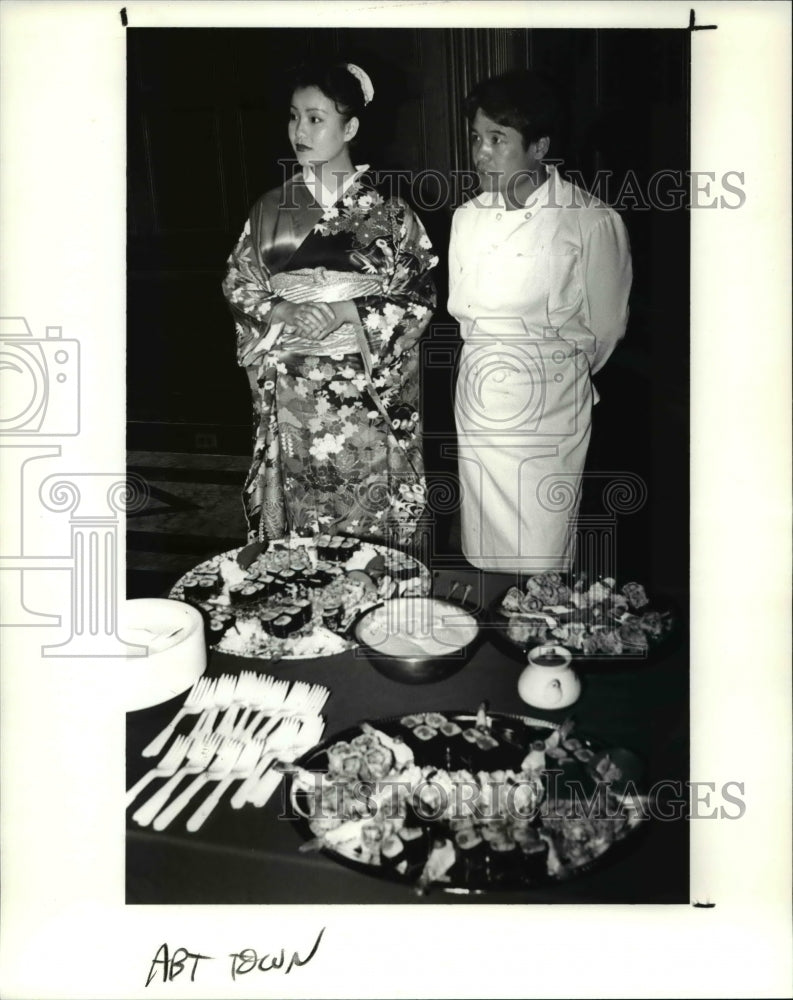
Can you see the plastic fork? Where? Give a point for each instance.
(199, 695)
(268, 696)
(291, 697)
(282, 738)
(244, 766)
(199, 755)
(227, 756)
(302, 700)
(222, 696)
(310, 735)
(165, 769)
(245, 688)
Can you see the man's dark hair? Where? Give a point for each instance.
(521, 99)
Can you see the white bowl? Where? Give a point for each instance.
(417, 640)
(173, 633)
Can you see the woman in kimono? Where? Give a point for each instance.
(539, 278)
(330, 288)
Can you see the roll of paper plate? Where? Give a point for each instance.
(173, 634)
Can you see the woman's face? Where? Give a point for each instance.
(499, 155)
(318, 133)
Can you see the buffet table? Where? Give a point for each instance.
(251, 855)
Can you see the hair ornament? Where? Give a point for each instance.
(363, 78)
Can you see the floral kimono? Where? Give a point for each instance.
(337, 428)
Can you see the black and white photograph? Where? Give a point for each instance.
(448, 278)
(393, 511)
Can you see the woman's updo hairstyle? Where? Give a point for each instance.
(336, 82)
(522, 100)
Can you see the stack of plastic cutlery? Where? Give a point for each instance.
(245, 725)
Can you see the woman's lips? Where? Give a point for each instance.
(301, 148)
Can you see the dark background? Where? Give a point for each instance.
(207, 126)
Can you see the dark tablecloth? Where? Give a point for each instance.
(251, 855)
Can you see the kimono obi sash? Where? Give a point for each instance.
(317, 284)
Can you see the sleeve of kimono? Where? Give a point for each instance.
(607, 274)
(250, 299)
(394, 321)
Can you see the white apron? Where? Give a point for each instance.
(541, 296)
(522, 409)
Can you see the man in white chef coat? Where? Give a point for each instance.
(539, 278)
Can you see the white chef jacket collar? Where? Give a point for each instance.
(540, 196)
(327, 199)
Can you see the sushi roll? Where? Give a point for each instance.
(331, 617)
(401, 567)
(267, 616)
(351, 764)
(304, 611)
(348, 547)
(279, 559)
(284, 625)
(323, 544)
(301, 584)
(471, 851)
(299, 559)
(236, 596)
(217, 626)
(506, 862)
(378, 762)
(288, 580)
(297, 612)
(201, 588)
(467, 837)
(253, 592)
(414, 848)
(334, 551)
(364, 741)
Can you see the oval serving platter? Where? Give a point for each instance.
(473, 832)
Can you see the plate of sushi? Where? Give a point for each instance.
(295, 598)
(467, 803)
(593, 619)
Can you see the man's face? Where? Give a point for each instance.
(499, 155)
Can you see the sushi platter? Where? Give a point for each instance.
(295, 598)
(467, 803)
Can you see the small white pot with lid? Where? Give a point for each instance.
(549, 680)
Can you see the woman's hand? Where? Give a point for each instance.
(314, 320)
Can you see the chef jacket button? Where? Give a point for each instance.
(498, 215)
